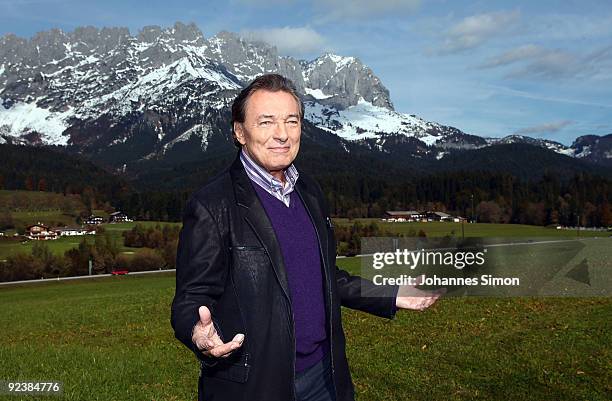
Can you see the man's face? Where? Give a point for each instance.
(271, 130)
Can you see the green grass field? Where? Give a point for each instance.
(58, 246)
(440, 229)
(30, 207)
(110, 339)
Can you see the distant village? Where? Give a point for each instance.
(400, 216)
(40, 231)
(393, 216)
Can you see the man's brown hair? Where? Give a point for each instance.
(269, 82)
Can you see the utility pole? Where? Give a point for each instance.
(578, 225)
(472, 196)
(90, 266)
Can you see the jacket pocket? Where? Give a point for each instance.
(236, 370)
(247, 248)
(250, 264)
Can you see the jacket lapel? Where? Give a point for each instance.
(257, 218)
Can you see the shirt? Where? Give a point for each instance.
(267, 181)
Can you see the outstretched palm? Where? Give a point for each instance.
(206, 338)
(410, 297)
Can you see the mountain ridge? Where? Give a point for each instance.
(121, 98)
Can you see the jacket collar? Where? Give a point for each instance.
(257, 218)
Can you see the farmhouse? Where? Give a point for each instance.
(118, 217)
(40, 231)
(93, 220)
(438, 216)
(403, 215)
(71, 231)
(424, 216)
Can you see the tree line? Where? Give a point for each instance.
(157, 250)
(483, 196)
(488, 196)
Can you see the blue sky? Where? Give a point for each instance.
(491, 68)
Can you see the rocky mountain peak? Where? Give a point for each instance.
(242, 57)
(187, 32)
(594, 147)
(179, 33)
(343, 81)
(149, 33)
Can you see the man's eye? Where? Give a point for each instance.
(265, 123)
(292, 122)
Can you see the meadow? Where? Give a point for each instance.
(110, 339)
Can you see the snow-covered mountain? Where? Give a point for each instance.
(124, 98)
(544, 143)
(594, 148)
(104, 88)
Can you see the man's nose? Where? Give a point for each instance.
(280, 133)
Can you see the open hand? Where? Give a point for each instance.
(206, 338)
(410, 297)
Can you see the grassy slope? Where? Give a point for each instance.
(34, 206)
(33, 197)
(110, 339)
(106, 340)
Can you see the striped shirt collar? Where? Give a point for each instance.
(267, 181)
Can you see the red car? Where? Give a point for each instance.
(119, 272)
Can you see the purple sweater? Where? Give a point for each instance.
(300, 249)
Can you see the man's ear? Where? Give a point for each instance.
(239, 132)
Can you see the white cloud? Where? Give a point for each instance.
(513, 55)
(540, 62)
(551, 64)
(475, 30)
(537, 61)
(289, 40)
(547, 128)
(544, 98)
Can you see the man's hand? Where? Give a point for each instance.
(410, 297)
(207, 340)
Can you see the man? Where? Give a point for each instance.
(258, 293)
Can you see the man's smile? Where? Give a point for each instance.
(279, 149)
